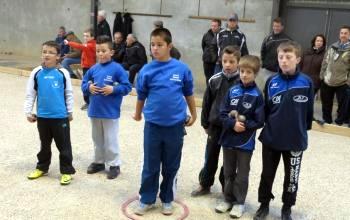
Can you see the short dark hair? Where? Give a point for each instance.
(278, 20)
(163, 33)
(104, 39)
(90, 31)
(217, 21)
(53, 44)
(315, 37)
(62, 28)
(251, 62)
(290, 46)
(232, 50)
(345, 27)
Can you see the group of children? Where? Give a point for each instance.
(233, 109)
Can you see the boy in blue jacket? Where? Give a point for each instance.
(242, 113)
(288, 116)
(105, 83)
(167, 85)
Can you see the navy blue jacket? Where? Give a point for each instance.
(289, 102)
(248, 101)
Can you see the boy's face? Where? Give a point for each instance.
(49, 56)
(103, 53)
(288, 62)
(246, 75)
(87, 37)
(160, 49)
(229, 63)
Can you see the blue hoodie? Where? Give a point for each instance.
(112, 74)
(163, 85)
(289, 102)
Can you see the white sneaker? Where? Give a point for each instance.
(223, 207)
(237, 211)
(167, 208)
(143, 208)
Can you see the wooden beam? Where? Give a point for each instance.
(146, 14)
(246, 20)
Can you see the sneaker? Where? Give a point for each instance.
(36, 174)
(237, 211)
(200, 191)
(167, 208)
(262, 212)
(286, 213)
(113, 173)
(66, 179)
(95, 167)
(223, 207)
(84, 107)
(143, 208)
(338, 122)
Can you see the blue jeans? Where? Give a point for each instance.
(66, 62)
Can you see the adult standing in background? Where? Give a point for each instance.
(231, 36)
(335, 77)
(119, 47)
(59, 40)
(268, 51)
(103, 26)
(73, 56)
(209, 58)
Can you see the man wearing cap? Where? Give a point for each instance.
(103, 26)
(231, 36)
(73, 56)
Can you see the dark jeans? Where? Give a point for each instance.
(86, 97)
(212, 152)
(133, 69)
(58, 130)
(327, 97)
(208, 71)
(292, 163)
(236, 171)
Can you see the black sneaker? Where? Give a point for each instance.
(114, 172)
(286, 213)
(84, 107)
(95, 167)
(338, 122)
(262, 212)
(200, 191)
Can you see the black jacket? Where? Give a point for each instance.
(104, 29)
(229, 38)
(119, 52)
(208, 55)
(127, 25)
(118, 23)
(135, 54)
(217, 88)
(268, 51)
(289, 102)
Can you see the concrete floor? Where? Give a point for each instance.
(323, 191)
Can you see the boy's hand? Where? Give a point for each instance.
(94, 89)
(190, 121)
(31, 118)
(106, 90)
(137, 117)
(65, 42)
(239, 127)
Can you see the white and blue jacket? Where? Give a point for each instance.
(248, 101)
(289, 102)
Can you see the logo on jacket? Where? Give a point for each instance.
(276, 99)
(247, 105)
(300, 98)
(55, 84)
(175, 77)
(274, 86)
(234, 101)
(108, 78)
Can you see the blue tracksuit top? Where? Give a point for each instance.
(51, 101)
(247, 100)
(289, 102)
(112, 74)
(163, 85)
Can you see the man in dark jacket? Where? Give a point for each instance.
(103, 26)
(231, 36)
(119, 47)
(135, 56)
(209, 58)
(268, 51)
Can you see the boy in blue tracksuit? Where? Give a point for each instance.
(51, 87)
(288, 116)
(238, 134)
(163, 88)
(105, 83)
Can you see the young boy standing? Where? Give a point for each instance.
(218, 85)
(242, 114)
(167, 85)
(105, 83)
(288, 116)
(51, 87)
(88, 55)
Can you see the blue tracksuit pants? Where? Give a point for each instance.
(162, 148)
